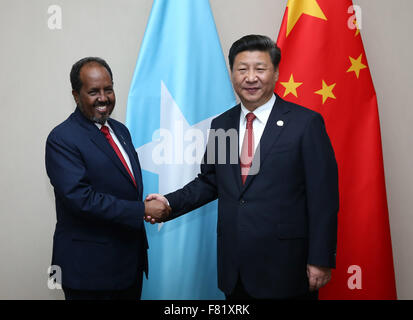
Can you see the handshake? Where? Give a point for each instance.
(157, 208)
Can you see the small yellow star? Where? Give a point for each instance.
(291, 86)
(357, 27)
(356, 65)
(326, 91)
(296, 8)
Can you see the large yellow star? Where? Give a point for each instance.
(291, 86)
(326, 91)
(296, 8)
(356, 65)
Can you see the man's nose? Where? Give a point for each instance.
(102, 97)
(251, 76)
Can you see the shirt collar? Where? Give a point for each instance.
(106, 124)
(262, 112)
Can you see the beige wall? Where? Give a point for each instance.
(35, 96)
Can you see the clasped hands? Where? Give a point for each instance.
(157, 208)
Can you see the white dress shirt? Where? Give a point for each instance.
(262, 114)
(124, 154)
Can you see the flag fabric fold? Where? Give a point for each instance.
(180, 83)
(324, 67)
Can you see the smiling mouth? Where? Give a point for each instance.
(251, 90)
(102, 109)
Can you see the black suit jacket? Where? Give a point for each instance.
(284, 217)
(99, 241)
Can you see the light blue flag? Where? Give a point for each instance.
(180, 84)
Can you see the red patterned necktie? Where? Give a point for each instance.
(247, 150)
(106, 132)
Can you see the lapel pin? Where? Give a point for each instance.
(280, 123)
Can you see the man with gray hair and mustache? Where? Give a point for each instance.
(100, 242)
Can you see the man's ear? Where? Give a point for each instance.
(277, 73)
(75, 95)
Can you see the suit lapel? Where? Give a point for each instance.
(100, 141)
(233, 123)
(277, 121)
(131, 154)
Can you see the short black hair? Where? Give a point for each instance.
(255, 42)
(75, 72)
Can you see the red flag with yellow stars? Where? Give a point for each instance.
(324, 67)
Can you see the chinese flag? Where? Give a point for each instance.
(324, 67)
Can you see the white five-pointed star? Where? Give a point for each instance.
(176, 149)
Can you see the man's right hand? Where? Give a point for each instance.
(156, 208)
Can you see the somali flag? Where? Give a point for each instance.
(180, 84)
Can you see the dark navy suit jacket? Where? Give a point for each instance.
(99, 241)
(284, 217)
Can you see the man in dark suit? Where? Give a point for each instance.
(100, 242)
(278, 203)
